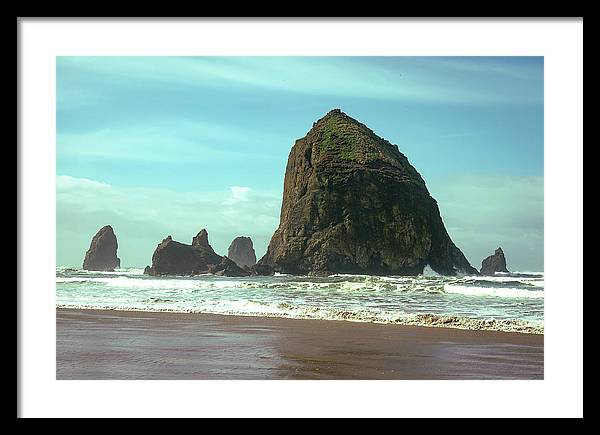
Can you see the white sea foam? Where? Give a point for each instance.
(414, 300)
(521, 272)
(538, 281)
(374, 284)
(283, 310)
(428, 271)
(117, 271)
(496, 292)
(348, 275)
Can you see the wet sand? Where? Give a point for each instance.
(93, 344)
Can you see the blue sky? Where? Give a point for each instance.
(170, 145)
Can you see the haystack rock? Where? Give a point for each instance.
(102, 254)
(494, 263)
(352, 203)
(242, 252)
(175, 258)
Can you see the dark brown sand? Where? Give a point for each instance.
(141, 345)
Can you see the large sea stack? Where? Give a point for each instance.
(352, 203)
(174, 258)
(102, 254)
(494, 263)
(242, 252)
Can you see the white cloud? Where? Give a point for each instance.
(66, 182)
(238, 194)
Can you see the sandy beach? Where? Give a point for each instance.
(94, 344)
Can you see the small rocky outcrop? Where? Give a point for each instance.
(228, 267)
(262, 269)
(242, 252)
(174, 258)
(102, 254)
(494, 263)
(353, 203)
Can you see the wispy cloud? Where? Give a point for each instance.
(168, 140)
(384, 79)
(496, 65)
(238, 194)
(66, 182)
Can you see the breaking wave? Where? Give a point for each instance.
(505, 303)
(250, 308)
(502, 292)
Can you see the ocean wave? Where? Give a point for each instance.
(537, 281)
(462, 302)
(522, 273)
(117, 271)
(216, 283)
(501, 292)
(144, 283)
(364, 285)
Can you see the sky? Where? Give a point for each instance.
(158, 146)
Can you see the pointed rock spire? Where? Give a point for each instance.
(102, 254)
(201, 241)
(494, 263)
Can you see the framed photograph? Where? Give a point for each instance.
(262, 206)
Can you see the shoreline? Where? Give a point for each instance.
(437, 323)
(112, 344)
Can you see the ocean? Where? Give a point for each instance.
(505, 302)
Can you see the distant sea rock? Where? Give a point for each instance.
(352, 203)
(494, 263)
(102, 254)
(174, 258)
(242, 252)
